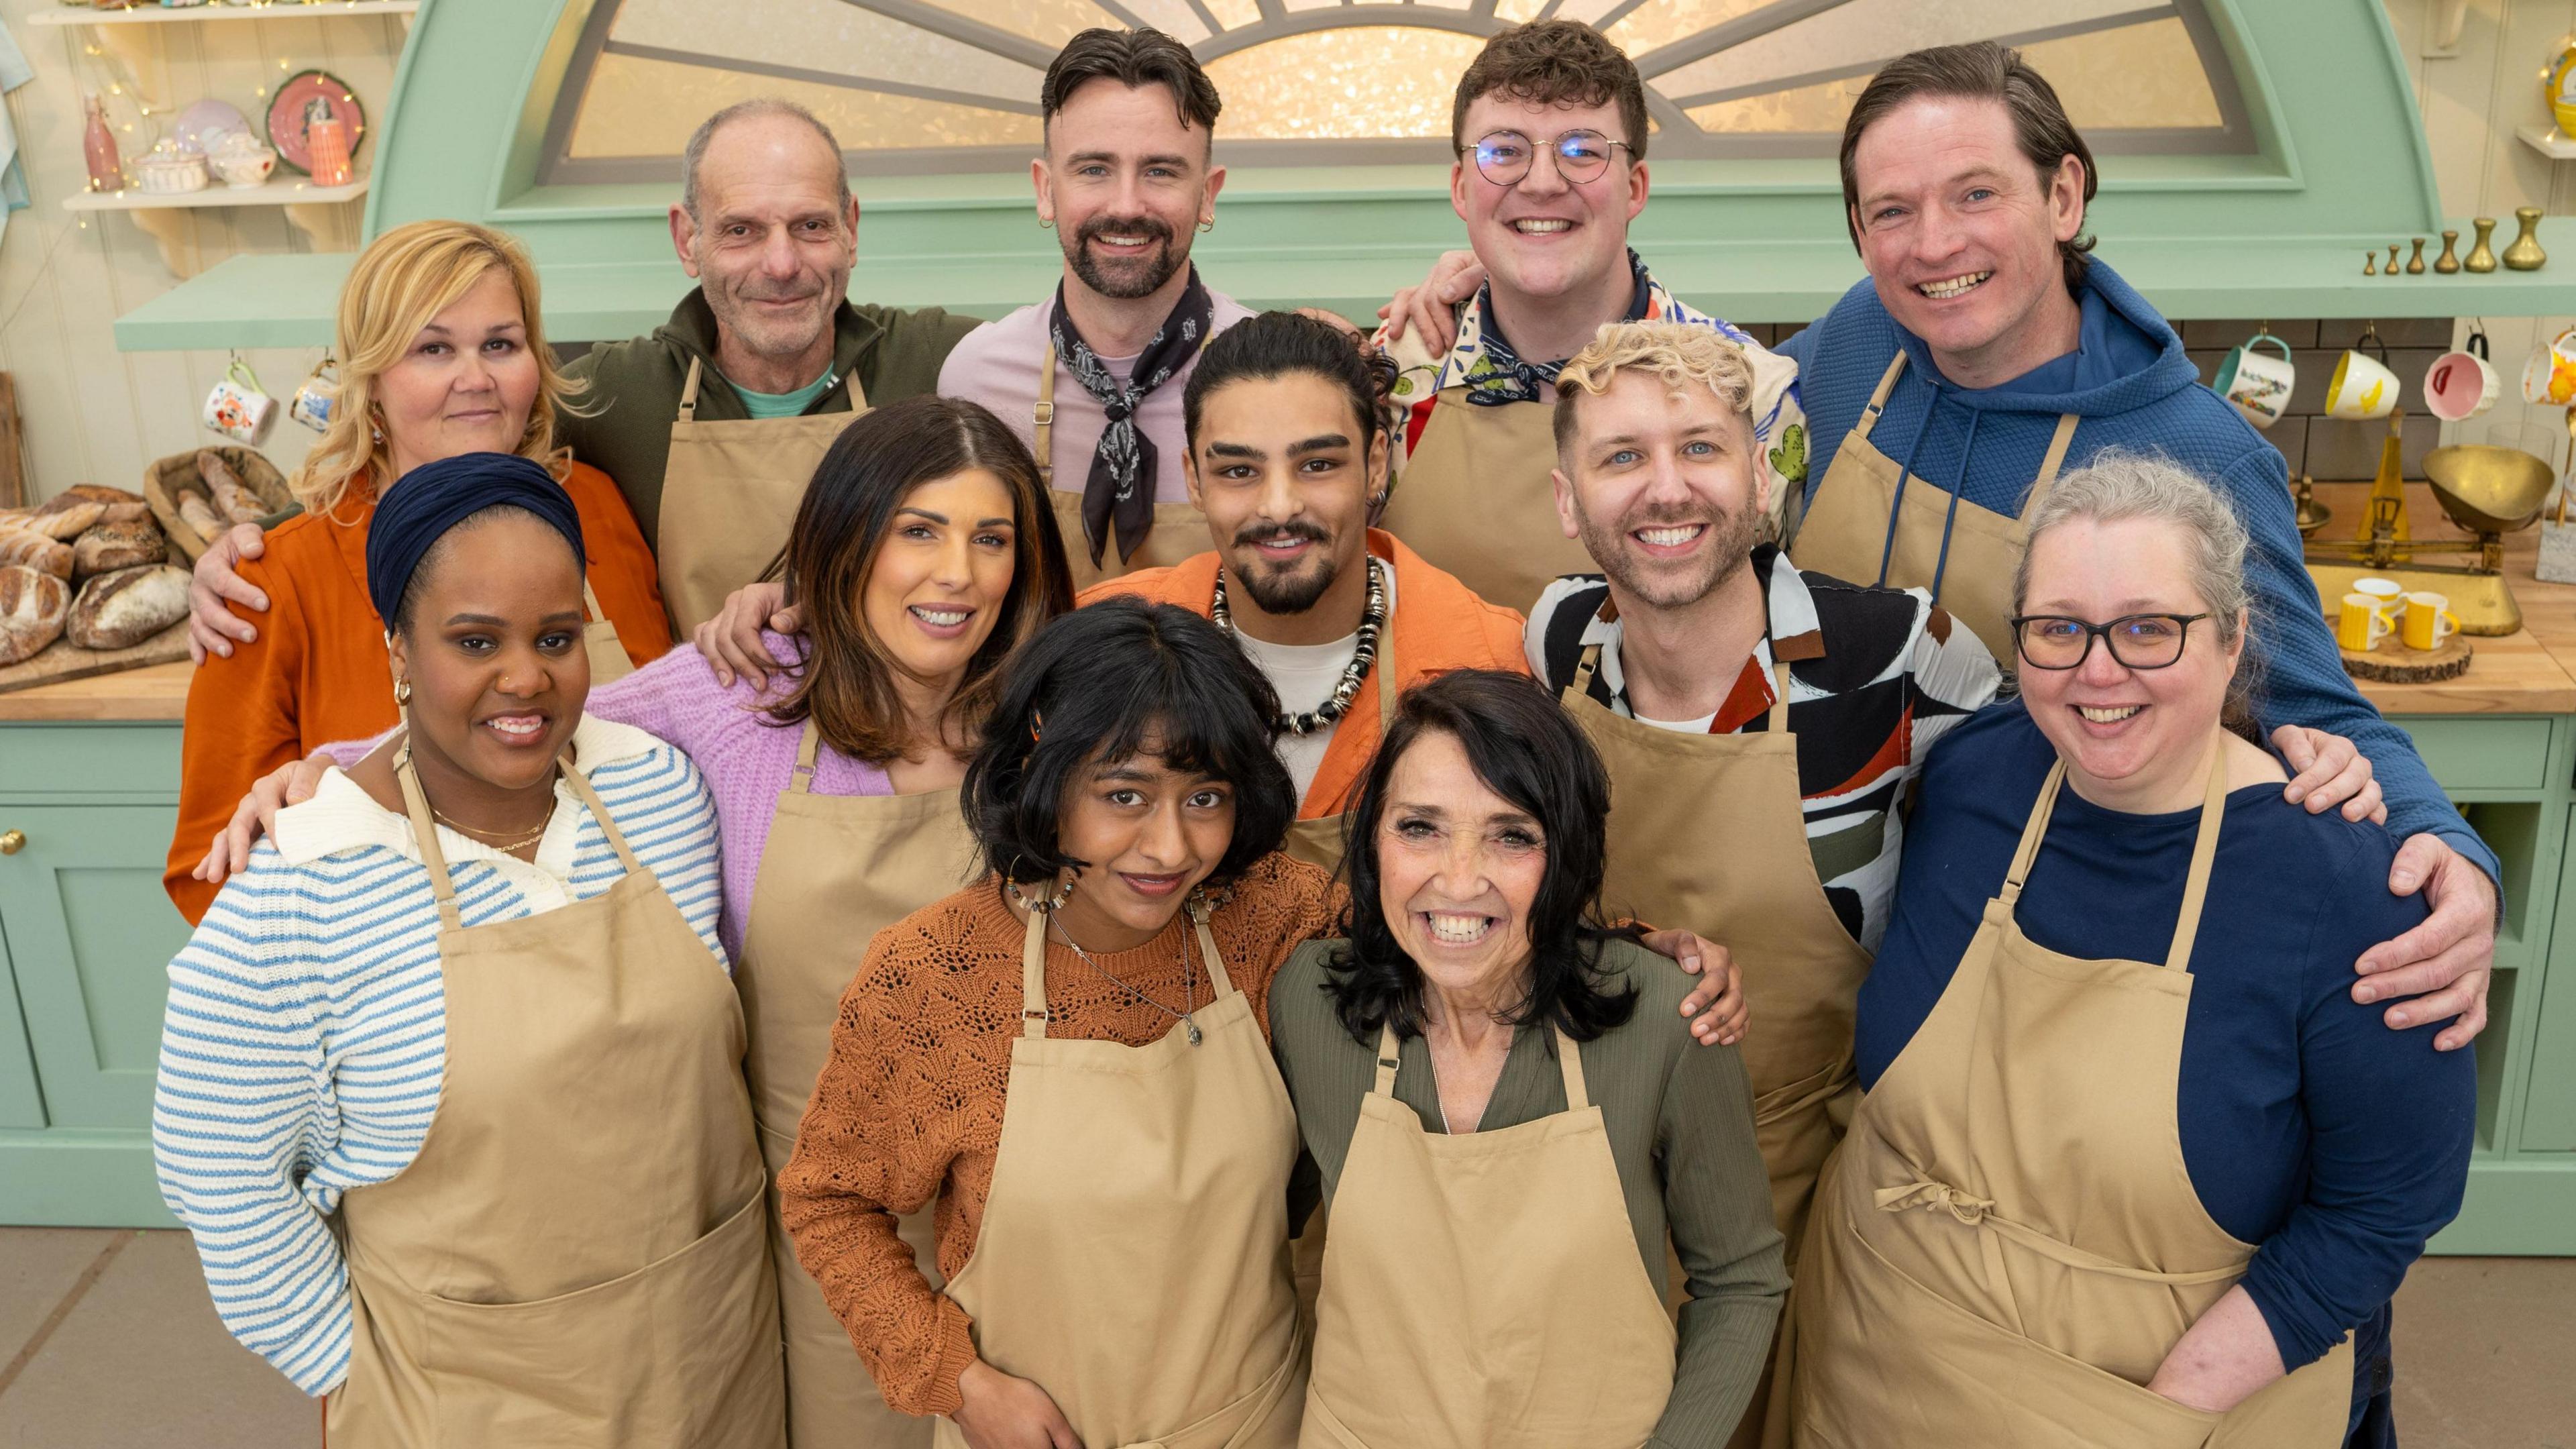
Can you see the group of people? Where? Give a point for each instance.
(1156, 901)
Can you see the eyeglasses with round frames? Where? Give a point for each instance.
(1504, 157)
(2136, 641)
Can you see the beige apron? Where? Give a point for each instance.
(2009, 1244)
(1319, 841)
(1856, 530)
(836, 870)
(1133, 1259)
(575, 1257)
(609, 660)
(1477, 499)
(1482, 1291)
(729, 496)
(1180, 530)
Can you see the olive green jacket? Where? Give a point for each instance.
(629, 391)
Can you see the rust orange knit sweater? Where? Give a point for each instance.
(909, 1106)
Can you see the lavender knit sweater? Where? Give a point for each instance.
(745, 757)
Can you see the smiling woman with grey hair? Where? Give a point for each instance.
(2129, 1144)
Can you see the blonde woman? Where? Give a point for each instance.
(441, 352)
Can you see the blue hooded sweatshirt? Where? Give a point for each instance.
(2129, 385)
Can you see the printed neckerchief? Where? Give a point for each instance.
(1121, 483)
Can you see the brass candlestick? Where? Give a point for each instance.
(2392, 260)
(2525, 254)
(2481, 256)
(2370, 263)
(2450, 261)
(2415, 261)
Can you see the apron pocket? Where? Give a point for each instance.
(1968, 1377)
(680, 1352)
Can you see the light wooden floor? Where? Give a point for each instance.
(107, 1341)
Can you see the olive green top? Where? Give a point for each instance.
(1680, 1120)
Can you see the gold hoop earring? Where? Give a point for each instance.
(402, 693)
(1046, 223)
(1044, 905)
(1206, 226)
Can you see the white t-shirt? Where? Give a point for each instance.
(1305, 676)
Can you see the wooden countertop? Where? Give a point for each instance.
(2532, 672)
(156, 693)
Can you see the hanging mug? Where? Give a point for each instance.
(2362, 387)
(2460, 385)
(312, 405)
(238, 408)
(2257, 386)
(2549, 378)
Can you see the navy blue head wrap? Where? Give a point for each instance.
(433, 498)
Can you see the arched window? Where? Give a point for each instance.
(913, 86)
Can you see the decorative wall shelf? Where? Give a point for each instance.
(2548, 141)
(312, 210)
(190, 14)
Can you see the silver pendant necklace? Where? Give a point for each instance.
(1186, 1016)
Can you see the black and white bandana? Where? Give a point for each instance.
(1123, 468)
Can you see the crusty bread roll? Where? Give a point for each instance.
(112, 546)
(33, 610)
(122, 609)
(27, 549)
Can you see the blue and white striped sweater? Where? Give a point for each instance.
(305, 1036)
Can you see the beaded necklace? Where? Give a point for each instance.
(1372, 619)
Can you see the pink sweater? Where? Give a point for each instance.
(746, 757)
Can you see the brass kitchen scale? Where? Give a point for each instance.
(2489, 491)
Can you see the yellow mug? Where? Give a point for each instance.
(2362, 624)
(2429, 621)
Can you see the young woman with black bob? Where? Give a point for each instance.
(1508, 1117)
(1068, 1058)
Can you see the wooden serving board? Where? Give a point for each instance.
(2393, 663)
(63, 659)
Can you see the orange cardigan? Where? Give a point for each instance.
(319, 673)
(1439, 624)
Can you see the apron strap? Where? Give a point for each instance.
(1779, 721)
(590, 600)
(2032, 831)
(689, 392)
(590, 800)
(1388, 679)
(425, 831)
(1878, 397)
(1224, 984)
(1033, 1007)
(1388, 1054)
(1044, 417)
(1979, 1212)
(2048, 466)
(1584, 670)
(2204, 851)
(801, 779)
(1569, 1064)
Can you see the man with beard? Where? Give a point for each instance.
(1093, 376)
(712, 423)
(1286, 456)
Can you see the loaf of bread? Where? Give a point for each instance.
(101, 493)
(33, 610)
(122, 609)
(194, 513)
(65, 517)
(233, 498)
(112, 546)
(25, 548)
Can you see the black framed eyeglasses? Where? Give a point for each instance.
(2136, 641)
(1504, 157)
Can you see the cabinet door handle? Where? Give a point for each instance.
(12, 841)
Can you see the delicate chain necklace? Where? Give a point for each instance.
(1186, 1016)
(1372, 619)
(491, 837)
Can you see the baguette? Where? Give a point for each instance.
(101, 493)
(25, 549)
(194, 513)
(33, 610)
(122, 609)
(233, 498)
(65, 518)
(113, 546)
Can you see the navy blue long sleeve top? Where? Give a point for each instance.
(2309, 1128)
(2130, 385)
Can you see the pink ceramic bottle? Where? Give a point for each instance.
(106, 172)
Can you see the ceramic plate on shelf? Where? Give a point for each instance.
(294, 106)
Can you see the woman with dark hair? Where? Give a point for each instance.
(450, 1090)
(1509, 1119)
(923, 553)
(1068, 1058)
